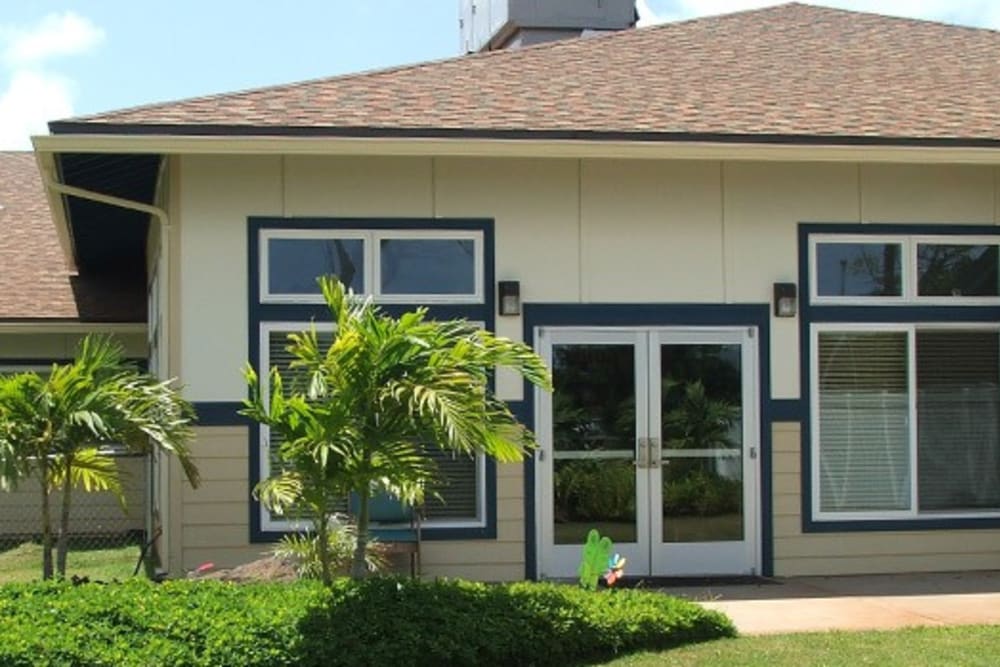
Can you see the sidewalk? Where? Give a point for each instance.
(872, 602)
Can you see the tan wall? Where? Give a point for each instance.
(568, 230)
(40, 346)
(216, 519)
(796, 553)
(95, 514)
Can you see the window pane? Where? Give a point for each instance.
(863, 435)
(958, 373)
(859, 269)
(457, 486)
(428, 266)
(293, 265)
(957, 270)
(278, 355)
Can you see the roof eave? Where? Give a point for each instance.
(249, 140)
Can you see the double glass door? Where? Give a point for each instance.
(651, 437)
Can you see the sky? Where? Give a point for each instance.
(62, 58)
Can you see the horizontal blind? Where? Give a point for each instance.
(278, 356)
(863, 414)
(457, 485)
(958, 403)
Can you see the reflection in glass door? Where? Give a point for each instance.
(649, 437)
(592, 422)
(703, 384)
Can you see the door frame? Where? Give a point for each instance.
(624, 315)
(648, 552)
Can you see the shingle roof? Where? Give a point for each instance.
(792, 70)
(35, 282)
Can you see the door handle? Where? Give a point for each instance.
(642, 453)
(654, 453)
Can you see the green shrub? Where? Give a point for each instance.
(378, 621)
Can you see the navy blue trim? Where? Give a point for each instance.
(810, 313)
(789, 410)
(644, 314)
(264, 312)
(219, 413)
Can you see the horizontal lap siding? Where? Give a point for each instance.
(215, 517)
(797, 553)
(215, 520)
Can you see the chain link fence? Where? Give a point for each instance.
(105, 538)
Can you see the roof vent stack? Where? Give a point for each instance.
(489, 25)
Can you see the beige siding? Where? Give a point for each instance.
(797, 553)
(42, 346)
(570, 231)
(216, 528)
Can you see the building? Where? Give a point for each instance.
(760, 251)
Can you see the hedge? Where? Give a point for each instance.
(381, 621)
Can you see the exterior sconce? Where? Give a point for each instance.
(509, 302)
(785, 300)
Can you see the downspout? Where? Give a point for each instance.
(163, 285)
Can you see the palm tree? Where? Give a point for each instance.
(356, 416)
(52, 428)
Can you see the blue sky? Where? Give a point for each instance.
(60, 58)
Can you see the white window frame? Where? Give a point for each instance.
(911, 330)
(908, 267)
(264, 257)
(270, 524)
(372, 263)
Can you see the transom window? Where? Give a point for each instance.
(899, 270)
(394, 266)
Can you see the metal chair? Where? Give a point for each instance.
(395, 524)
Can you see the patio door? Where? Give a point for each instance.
(650, 437)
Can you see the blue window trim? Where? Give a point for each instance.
(264, 312)
(645, 314)
(810, 314)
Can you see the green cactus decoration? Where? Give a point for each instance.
(596, 553)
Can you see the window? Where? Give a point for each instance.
(402, 264)
(904, 390)
(395, 266)
(906, 420)
(904, 270)
(456, 499)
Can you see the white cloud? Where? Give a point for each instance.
(55, 35)
(31, 95)
(30, 100)
(980, 13)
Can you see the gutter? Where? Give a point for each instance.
(163, 284)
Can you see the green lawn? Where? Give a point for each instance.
(24, 563)
(965, 645)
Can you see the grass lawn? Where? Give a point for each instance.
(24, 563)
(964, 645)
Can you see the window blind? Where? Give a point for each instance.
(863, 415)
(958, 403)
(457, 483)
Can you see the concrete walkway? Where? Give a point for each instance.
(873, 602)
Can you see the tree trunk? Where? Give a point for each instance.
(62, 547)
(359, 566)
(323, 547)
(43, 474)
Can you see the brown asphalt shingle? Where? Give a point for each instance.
(35, 282)
(792, 70)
